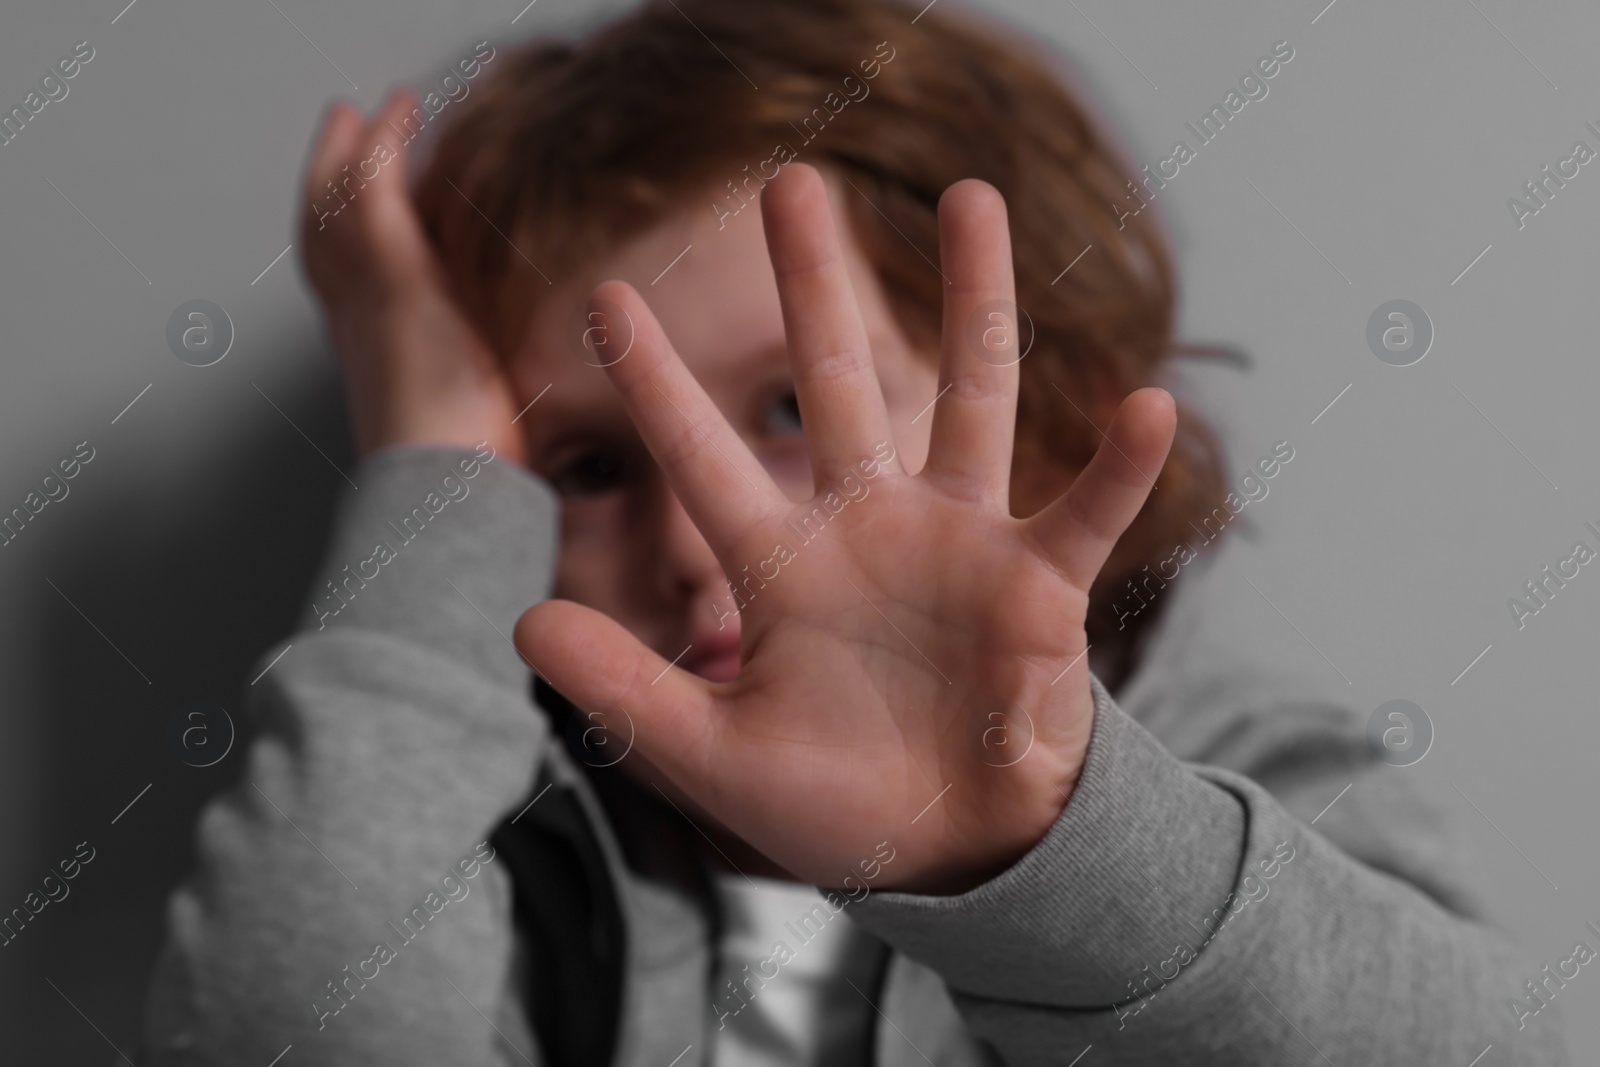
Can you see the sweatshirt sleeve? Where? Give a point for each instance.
(346, 902)
(1179, 913)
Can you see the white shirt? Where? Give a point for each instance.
(783, 993)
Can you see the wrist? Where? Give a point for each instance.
(434, 434)
(966, 873)
(1014, 805)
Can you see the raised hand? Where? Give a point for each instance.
(416, 371)
(899, 664)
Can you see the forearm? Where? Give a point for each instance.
(1180, 913)
(389, 740)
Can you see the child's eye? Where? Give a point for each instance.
(590, 474)
(783, 416)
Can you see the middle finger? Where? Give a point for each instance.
(841, 404)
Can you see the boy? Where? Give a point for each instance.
(869, 657)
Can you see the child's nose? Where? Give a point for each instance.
(689, 569)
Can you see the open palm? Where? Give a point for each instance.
(914, 672)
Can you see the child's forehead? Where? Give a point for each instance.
(726, 327)
(704, 271)
(711, 288)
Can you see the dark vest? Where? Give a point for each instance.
(566, 909)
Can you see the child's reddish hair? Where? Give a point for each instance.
(570, 148)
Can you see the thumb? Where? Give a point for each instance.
(606, 671)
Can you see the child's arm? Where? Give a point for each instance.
(894, 664)
(386, 748)
(1182, 913)
(390, 738)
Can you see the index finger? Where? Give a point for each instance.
(723, 486)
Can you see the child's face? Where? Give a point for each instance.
(628, 549)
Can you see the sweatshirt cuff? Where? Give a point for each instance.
(1142, 855)
(444, 547)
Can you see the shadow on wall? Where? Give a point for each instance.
(194, 594)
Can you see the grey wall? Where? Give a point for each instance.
(1378, 167)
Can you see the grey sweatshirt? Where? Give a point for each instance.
(348, 909)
